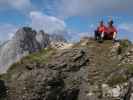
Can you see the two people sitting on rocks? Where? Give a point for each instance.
(106, 33)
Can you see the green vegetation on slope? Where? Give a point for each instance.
(41, 57)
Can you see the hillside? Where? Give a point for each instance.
(83, 71)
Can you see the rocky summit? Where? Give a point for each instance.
(86, 70)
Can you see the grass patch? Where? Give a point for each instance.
(129, 68)
(121, 78)
(41, 57)
(117, 79)
(1, 76)
(124, 45)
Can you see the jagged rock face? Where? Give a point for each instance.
(23, 43)
(52, 81)
(25, 39)
(43, 39)
(48, 86)
(87, 71)
(128, 57)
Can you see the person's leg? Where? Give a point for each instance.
(102, 36)
(114, 36)
(99, 36)
(96, 35)
(105, 36)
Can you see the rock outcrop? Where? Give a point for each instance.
(43, 39)
(86, 71)
(24, 42)
(61, 45)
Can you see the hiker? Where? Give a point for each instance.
(111, 31)
(100, 31)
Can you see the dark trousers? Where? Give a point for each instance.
(107, 36)
(98, 35)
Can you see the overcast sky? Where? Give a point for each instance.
(77, 17)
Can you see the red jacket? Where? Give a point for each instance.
(102, 29)
(111, 29)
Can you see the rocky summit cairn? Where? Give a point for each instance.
(24, 42)
(85, 71)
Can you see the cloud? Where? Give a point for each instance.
(22, 5)
(126, 30)
(68, 8)
(39, 21)
(7, 31)
(49, 24)
(126, 26)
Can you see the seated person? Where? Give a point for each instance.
(111, 32)
(100, 31)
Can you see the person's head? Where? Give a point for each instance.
(110, 23)
(101, 23)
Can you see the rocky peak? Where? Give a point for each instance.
(24, 32)
(25, 41)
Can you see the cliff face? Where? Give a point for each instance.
(85, 71)
(23, 43)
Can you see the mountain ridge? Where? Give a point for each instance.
(86, 70)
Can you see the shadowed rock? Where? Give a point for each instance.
(3, 90)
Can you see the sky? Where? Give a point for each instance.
(76, 18)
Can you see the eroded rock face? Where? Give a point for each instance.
(25, 40)
(43, 39)
(128, 57)
(87, 71)
(23, 43)
(54, 81)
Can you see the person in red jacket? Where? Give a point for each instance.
(111, 31)
(100, 31)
